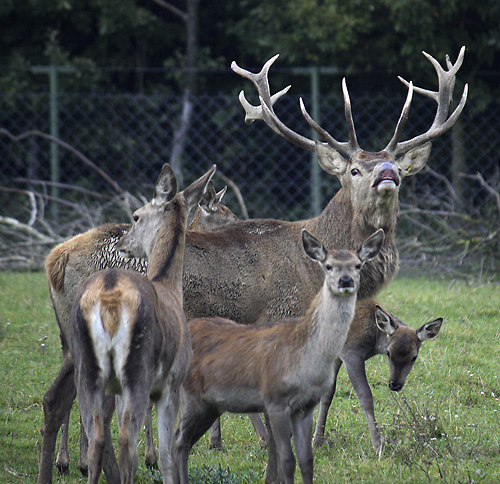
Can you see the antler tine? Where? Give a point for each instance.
(265, 111)
(353, 140)
(344, 148)
(279, 127)
(402, 120)
(347, 148)
(434, 131)
(254, 113)
(260, 79)
(443, 96)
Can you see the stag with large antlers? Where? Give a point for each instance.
(253, 270)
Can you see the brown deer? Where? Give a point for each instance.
(372, 331)
(243, 272)
(375, 331)
(283, 368)
(128, 333)
(209, 214)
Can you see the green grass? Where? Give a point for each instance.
(443, 427)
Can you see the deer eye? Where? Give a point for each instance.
(414, 359)
(354, 172)
(135, 218)
(328, 267)
(359, 266)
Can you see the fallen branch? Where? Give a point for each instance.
(25, 229)
(478, 177)
(68, 147)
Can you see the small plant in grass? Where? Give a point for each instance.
(419, 440)
(219, 475)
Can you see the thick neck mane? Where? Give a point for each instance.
(356, 225)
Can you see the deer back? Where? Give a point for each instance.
(116, 313)
(72, 261)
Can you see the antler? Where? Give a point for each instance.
(266, 112)
(442, 96)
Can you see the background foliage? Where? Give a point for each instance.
(360, 35)
(142, 82)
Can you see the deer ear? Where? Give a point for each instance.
(219, 195)
(208, 199)
(372, 246)
(429, 330)
(193, 193)
(313, 247)
(384, 322)
(413, 161)
(166, 186)
(330, 159)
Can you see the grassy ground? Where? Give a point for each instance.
(443, 427)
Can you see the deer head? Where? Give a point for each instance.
(149, 219)
(404, 345)
(211, 214)
(342, 267)
(371, 178)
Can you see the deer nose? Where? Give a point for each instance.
(395, 386)
(346, 282)
(387, 176)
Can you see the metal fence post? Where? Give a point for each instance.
(54, 131)
(315, 170)
(53, 72)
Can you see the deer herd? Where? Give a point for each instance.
(230, 315)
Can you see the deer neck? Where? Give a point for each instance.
(329, 317)
(167, 255)
(343, 225)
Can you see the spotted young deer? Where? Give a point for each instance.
(283, 368)
(128, 333)
(243, 271)
(375, 331)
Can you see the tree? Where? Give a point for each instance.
(190, 19)
(372, 35)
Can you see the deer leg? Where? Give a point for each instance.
(279, 419)
(91, 411)
(149, 452)
(111, 470)
(167, 409)
(324, 406)
(133, 408)
(83, 463)
(260, 429)
(355, 367)
(194, 421)
(274, 474)
(62, 459)
(302, 430)
(214, 436)
(57, 404)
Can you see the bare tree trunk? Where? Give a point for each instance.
(190, 17)
(180, 137)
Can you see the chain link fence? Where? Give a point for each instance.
(449, 213)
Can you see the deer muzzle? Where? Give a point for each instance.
(388, 179)
(395, 386)
(346, 285)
